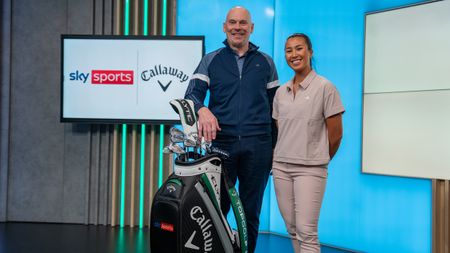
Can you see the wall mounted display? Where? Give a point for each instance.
(125, 79)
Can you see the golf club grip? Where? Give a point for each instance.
(222, 153)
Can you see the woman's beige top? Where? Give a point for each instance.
(302, 132)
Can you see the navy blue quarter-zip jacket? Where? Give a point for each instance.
(241, 101)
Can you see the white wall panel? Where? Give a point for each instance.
(408, 49)
(407, 134)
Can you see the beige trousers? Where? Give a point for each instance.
(299, 190)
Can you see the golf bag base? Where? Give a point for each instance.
(185, 214)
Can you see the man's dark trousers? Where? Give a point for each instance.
(250, 161)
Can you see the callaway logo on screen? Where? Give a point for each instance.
(159, 70)
(117, 77)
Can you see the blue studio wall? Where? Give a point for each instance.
(363, 212)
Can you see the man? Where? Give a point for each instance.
(242, 82)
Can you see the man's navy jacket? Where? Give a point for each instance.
(242, 103)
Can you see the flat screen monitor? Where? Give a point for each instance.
(125, 79)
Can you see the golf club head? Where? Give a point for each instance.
(166, 150)
(177, 138)
(206, 145)
(176, 135)
(192, 140)
(174, 148)
(176, 131)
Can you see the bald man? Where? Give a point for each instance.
(242, 82)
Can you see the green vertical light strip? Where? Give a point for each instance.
(161, 127)
(164, 18)
(142, 177)
(127, 18)
(145, 19)
(123, 181)
(124, 133)
(161, 144)
(143, 135)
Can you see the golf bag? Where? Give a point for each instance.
(186, 214)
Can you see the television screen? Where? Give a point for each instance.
(125, 79)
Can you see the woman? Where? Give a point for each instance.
(308, 112)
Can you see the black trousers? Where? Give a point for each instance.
(250, 162)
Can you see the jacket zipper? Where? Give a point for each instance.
(239, 112)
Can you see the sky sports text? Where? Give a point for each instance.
(123, 77)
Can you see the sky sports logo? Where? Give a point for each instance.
(107, 77)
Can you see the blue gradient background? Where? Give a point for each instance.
(363, 212)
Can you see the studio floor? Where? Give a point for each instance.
(70, 238)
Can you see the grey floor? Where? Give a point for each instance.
(276, 243)
(70, 238)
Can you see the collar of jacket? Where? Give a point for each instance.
(251, 47)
